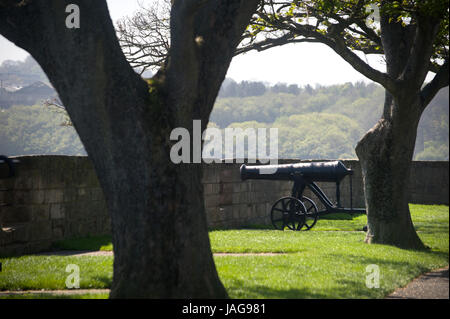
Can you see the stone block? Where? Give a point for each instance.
(53, 179)
(23, 182)
(54, 196)
(80, 178)
(226, 188)
(94, 208)
(229, 173)
(6, 239)
(235, 198)
(16, 214)
(226, 175)
(103, 225)
(38, 196)
(246, 211)
(21, 234)
(212, 200)
(237, 187)
(56, 211)
(4, 171)
(70, 194)
(211, 188)
(6, 184)
(226, 199)
(6, 196)
(22, 197)
(210, 175)
(90, 178)
(243, 198)
(212, 214)
(260, 210)
(40, 212)
(236, 210)
(58, 233)
(41, 230)
(83, 194)
(225, 212)
(39, 246)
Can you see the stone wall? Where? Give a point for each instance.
(51, 198)
(232, 203)
(58, 197)
(229, 202)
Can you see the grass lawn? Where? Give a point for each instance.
(328, 262)
(55, 296)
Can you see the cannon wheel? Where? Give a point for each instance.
(311, 212)
(288, 212)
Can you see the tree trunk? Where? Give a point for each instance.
(385, 154)
(160, 237)
(161, 246)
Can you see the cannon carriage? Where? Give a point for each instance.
(298, 212)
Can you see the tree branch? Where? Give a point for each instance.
(439, 81)
(362, 67)
(89, 72)
(210, 44)
(418, 64)
(273, 42)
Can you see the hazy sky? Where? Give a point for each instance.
(297, 63)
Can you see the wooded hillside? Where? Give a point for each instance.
(313, 122)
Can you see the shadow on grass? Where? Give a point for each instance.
(107, 281)
(264, 292)
(340, 216)
(87, 243)
(347, 289)
(410, 268)
(431, 227)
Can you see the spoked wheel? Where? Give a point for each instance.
(288, 212)
(311, 212)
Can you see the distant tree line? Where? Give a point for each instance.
(231, 88)
(325, 121)
(21, 73)
(320, 122)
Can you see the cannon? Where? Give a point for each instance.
(297, 212)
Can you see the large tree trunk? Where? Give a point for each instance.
(160, 238)
(385, 154)
(386, 151)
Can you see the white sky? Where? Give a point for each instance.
(296, 63)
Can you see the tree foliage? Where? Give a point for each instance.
(21, 73)
(352, 25)
(33, 129)
(323, 135)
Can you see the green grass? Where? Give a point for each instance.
(327, 268)
(318, 264)
(49, 272)
(55, 296)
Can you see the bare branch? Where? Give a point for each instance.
(145, 36)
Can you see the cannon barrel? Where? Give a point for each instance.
(333, 171)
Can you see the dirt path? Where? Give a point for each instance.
(432, 285)
(76, 253)
(54, 292)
